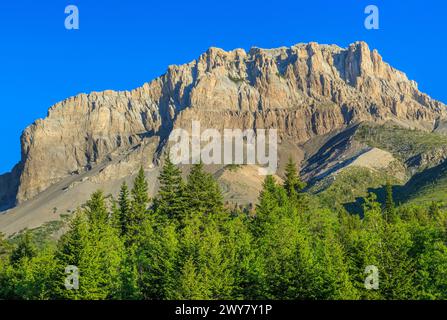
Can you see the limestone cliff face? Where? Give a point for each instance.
(304, 91)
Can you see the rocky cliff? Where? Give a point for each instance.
(305, 91)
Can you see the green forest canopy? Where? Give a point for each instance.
(186, 244)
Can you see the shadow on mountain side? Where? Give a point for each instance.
(430, 183)
(330, 150)
(356, 207)
(432, 179)
(9, 186)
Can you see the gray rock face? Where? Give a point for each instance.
(304, 91)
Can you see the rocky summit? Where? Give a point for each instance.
(323, 99)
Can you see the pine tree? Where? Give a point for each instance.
(115, 218)
(25, 249)
(397, 263)
(191, 286)
(170, 202)
(204, 257)
(130, 289)
(332, 279)
(434, 211)
(140, 195)
(383, 245)
(96, 209)
(268, 202)
(202, 193)
(125, 207)
(139, 208)
(292, 183)
(287, 258)
(158, 260)
(97, 251)
(5, 247)
(431, 277)
(72, 242)
(29, 278)
(389, 209)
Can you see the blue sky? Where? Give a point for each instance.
(122, 44)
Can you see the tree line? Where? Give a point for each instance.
(186, 244)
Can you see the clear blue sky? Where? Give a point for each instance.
(122, 44)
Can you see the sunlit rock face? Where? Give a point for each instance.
(304, 91)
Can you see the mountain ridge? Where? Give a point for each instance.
(306, 91)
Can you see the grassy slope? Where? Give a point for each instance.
(355, 182)
(402, 143)
(47, 234)
(426, 187)
(349, 185)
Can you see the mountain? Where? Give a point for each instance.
(332, 107)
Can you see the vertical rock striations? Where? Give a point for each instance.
(305, 91)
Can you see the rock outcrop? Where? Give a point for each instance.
(304, 91)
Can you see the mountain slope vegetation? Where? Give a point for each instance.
(185, 244)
